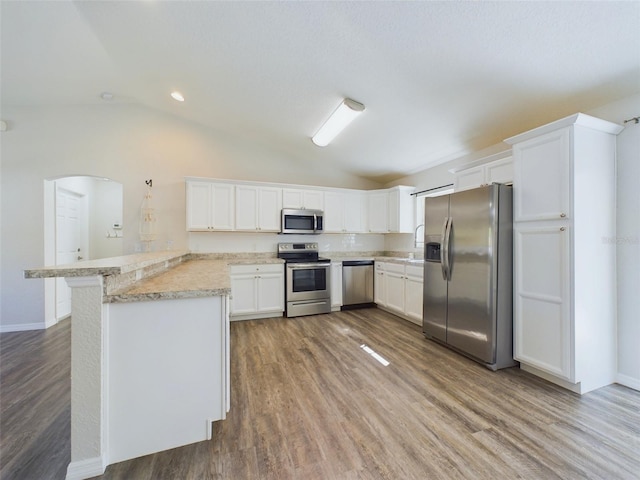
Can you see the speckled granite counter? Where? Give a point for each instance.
(189, 279)
(107, 266)
(157, 275)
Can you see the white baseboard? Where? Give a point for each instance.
(92, 467)
(22, 327)
(628, 381)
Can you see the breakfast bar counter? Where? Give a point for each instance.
(150, 354)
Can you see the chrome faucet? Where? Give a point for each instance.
(415, 235)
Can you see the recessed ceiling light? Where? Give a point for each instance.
(177, 96)
(106, 96)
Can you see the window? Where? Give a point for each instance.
(434, 192)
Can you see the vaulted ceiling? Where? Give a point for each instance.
(438, 79)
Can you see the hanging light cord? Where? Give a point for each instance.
(634, 120)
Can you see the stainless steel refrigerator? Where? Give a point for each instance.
(468, 273)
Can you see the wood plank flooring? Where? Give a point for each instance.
(309, 403)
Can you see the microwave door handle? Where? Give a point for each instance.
(315, 223)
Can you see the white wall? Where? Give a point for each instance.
(129, 144)
(627, 236)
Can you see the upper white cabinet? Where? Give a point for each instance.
(564, 268)
(391, 210)
(494, 169)
(302, 198)
(210, 206)
(544, 164)
(344, 211)
(258, 208)
(378, 211)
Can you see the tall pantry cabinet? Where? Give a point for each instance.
(564, 251)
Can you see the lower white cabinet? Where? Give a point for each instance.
(398, 289)
(542, 299)
(336, 285)
(257, 291)
(164, 360)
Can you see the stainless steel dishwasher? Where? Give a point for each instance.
(357, 283)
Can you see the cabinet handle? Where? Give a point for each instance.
(562, 229)
(562, 215)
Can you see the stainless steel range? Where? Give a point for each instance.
(307, 279)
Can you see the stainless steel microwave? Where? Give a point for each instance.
(302, 221)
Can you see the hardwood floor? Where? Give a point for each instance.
(309, 403)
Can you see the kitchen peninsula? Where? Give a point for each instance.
(150, 354)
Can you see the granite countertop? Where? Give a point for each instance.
(189, 279)
(401, 260)
(200, 276)
(105, 266)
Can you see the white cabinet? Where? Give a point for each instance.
(564, 271)
(166, 354)
(336, 285)
(344, 211)
(394, 278)
(302, 198)
(210, 206)
(257, 291)
(484, 172)
(379, 285)
(413, 293)
(258, 208)
(378, 211)
(398, 289)
(391, 210)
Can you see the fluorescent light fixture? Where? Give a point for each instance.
(339, 119)
(177, 96)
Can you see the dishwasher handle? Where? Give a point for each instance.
(356, 263)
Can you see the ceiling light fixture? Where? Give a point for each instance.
(177, 96)
(339, 119)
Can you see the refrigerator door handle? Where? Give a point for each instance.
(443, 250)
(446, 249)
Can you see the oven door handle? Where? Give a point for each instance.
(298, 266)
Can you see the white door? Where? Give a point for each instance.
(70, 225)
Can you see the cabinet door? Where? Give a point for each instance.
(198, 205)
(269, 209)
(299, 198)
(395, 291)
(500, 171)
(469, 178)
(336, 284)
(270, 292)
(379, 286)
(210, 206)
(401, 214)
(222, 207)
(258, 208)
(542, 313)
(334, 207)
(413, 298)
(542, 175)
(353, 207)
(378, 212)
(243, 294)
(246, 207)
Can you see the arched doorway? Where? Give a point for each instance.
(82, 221)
